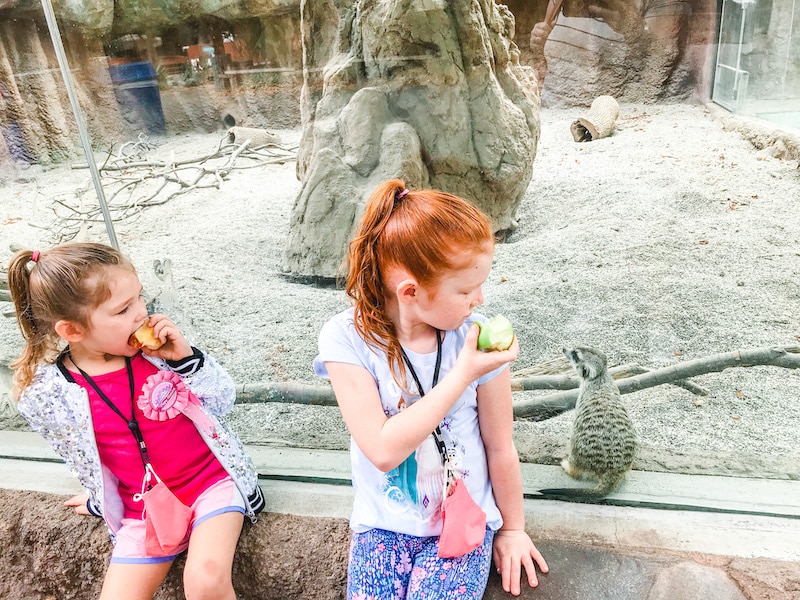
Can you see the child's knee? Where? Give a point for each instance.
(206, 579)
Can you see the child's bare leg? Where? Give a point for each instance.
(133, 581)
(209, 563)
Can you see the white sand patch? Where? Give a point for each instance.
(668, 241)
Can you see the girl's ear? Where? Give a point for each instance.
(70, 331)
(407, 291)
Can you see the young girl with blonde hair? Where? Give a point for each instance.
(141, 429)
(426, 409)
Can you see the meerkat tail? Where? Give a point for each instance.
(572, 494)
(607, 483)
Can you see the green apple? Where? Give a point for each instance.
(495, 334)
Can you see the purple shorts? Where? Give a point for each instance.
(222, 497)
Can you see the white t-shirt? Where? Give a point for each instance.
(408, 498)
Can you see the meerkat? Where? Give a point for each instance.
(602, 442)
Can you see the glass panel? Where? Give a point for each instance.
(757, 60)
(226, 133)
(730, 83)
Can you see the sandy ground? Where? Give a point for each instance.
(668, 241)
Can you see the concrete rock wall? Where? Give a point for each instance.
(429, 91)
(50, 553)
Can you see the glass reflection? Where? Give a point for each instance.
(162, 89)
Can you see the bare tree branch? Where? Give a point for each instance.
(136, 182)
(551, 405)
(545, 407)
(569, 381)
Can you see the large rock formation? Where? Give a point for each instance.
(155, 15)
(99, 17)
(36, 121)
(427, 90)
(92, 15)
(632, 50)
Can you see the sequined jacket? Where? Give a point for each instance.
(59, 411)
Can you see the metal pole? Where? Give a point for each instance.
(58, 46)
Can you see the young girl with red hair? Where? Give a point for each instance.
(427, 411)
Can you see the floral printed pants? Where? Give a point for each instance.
(386, 566)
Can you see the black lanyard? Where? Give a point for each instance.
(133, 424)
(437, 433)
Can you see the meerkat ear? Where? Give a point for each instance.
(70, 331)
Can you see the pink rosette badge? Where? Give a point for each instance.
(165, 396)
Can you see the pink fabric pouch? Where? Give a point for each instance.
(463, 522)
(166, 518)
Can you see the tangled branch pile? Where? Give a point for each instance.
(133, 181)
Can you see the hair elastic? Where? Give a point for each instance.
(35, 256)
(401, 195)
